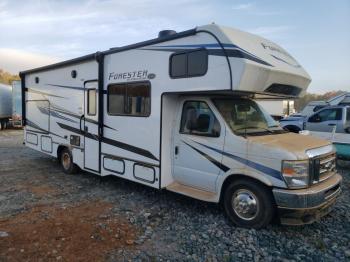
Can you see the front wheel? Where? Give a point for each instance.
(66, 160)
(249, 204)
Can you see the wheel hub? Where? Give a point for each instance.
(245, 204)
(66, 161)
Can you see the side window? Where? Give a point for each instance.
(132, 99)
(189, 64)
(326, 115)
(91, 101)
(348, 114)
(198, 119)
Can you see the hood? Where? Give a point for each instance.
(295, 144)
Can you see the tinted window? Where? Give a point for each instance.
(198, 119)
(91, 99)
(197, 63)
(179, 65)
(189, 64)
(348, 114)
(129, 99)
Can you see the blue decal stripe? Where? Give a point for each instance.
(69, 87)
(213, 49)
(200, 45)
(264, 169)
(48, 112)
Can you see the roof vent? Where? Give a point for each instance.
(165, 33)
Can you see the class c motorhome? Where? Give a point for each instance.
(178, 113)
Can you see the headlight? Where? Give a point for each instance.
(296, 173)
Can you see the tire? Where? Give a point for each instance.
(343, 164)
(66, 161)
(242, 192)
(293, 129)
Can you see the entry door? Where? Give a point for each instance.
(198, 143)
(91, 152)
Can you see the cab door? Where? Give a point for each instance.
(198, 145)
(90, 127)
(325, 120)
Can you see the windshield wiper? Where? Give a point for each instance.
(254, 127)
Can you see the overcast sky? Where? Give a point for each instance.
(315, 32)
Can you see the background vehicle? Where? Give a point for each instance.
(178, 113)
(332, 123)
(327, 118)
(295, 122)
(16, 103)
(5, 105)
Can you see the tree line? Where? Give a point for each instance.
(7, 78)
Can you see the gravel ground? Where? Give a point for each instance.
(165, 225)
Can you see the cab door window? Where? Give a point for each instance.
(198, 119)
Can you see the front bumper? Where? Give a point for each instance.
(304, 206)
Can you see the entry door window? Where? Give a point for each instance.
(91, 100)
(198, 119)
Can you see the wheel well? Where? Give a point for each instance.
(234, 177)
(292, 128)
(59, 150)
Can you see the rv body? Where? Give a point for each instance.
(5, 105)
(160, 113)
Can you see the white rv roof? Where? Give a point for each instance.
(266, 67)
(257, 65)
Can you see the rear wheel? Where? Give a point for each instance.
(66, 160)
(249, 204)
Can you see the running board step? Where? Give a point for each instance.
(192, 192)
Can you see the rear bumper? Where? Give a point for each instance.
(304, 206)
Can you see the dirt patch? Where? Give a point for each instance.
(38, 190)
(84, 232)
(43, 190)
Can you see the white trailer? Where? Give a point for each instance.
(176, 113)
(277, 108)
(16, 103)
(5, 105)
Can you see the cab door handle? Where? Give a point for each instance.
(176, 150)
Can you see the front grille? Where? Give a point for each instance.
(322, 168)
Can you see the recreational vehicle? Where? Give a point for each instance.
(178, 113)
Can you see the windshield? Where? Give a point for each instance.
(244, 116)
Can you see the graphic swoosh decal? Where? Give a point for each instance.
(212, 160)
(230, 50)
(262, 168)
(127, 147)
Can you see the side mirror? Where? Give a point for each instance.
(315, 119)
(347, 130)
